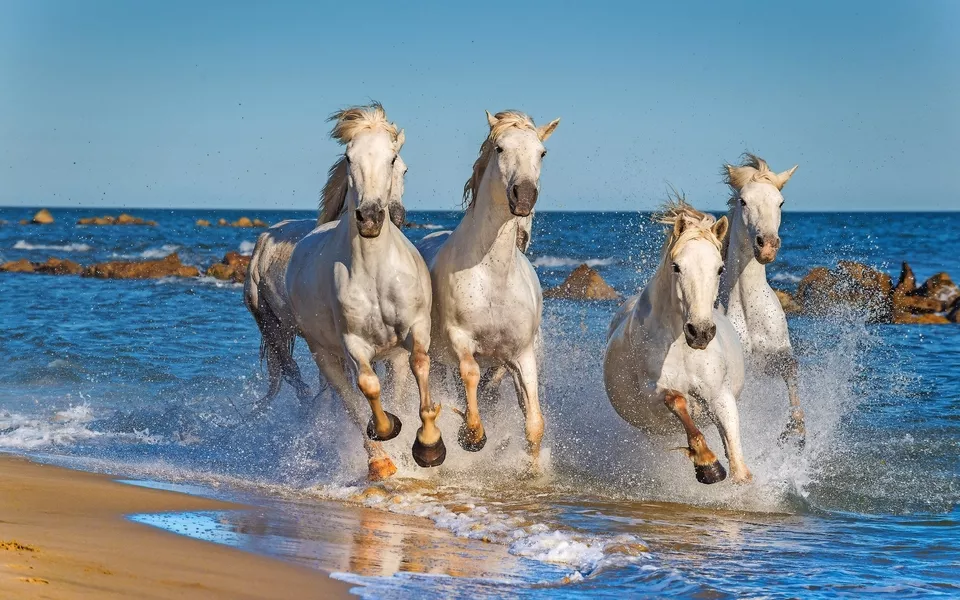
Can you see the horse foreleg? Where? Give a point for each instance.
(275, 374)
(787, 367)
(727, 418)
(705, 463)
(471, 435)
(428, 448)
(524, 371)
(379, 464)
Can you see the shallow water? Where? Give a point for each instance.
(153, 379)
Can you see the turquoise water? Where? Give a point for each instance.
(154, 379)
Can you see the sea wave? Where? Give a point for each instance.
(246, 247)
(552, 262)
(25, 245)
(787, 277)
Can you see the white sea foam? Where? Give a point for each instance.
(246, 247)
(787, 277)
(431, 226)
(161, 252)
(25, 245)
(19, 432)
(552, 262)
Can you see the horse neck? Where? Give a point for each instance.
(490, 225)
(664, 304)
(741, 265)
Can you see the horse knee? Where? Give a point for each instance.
(369, 384)
(470, 372)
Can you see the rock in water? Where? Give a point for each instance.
(43, 217)
(147, 269)
(203, 223)
(583, 284)
(123, 219)
(242, 222)
(18, 266)
(53, 266)
(233, 267)
(787, 303)
(850, 284)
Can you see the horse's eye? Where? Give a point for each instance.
(720, 271)
(543, 154)
(347, 157)
(499, 149)
(743, 202)
(394, 161)
(676, 268)
(405, 170)
(781, 204)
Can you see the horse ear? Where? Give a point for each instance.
(785, 176)
(720, 228)
(401, 138)
(545, 131)
(491, 120)
(678, 226)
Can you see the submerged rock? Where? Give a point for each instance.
(583, 284)
(222, 222)
(203, 223)
(18, 266)
(233, 267)
(123, 219)
(147, 269)
(43, 217)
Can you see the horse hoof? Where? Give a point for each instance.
(466, 441)
(395, 426)
(380, 469)
(711, 473)
(429, 456)
(794, 432)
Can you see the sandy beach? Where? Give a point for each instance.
(63, 535)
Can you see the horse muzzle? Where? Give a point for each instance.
(370, 217)
(522, 198)
(765, 248)
(699, 336)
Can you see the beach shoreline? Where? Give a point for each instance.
(64, 534)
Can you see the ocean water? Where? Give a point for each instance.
(154, 380)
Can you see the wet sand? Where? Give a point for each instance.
(63, 535)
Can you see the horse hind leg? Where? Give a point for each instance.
(290, 368)
(705, 464)
(428, 447)
(274, 372)
(524, 371)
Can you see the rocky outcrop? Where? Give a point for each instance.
(53, 266)
(245, 222)
(583, 284)
(233, 267)
(147, 269)
(43, 217)
(203, 223)
(850, 284)
(857, 286)
(122, 219)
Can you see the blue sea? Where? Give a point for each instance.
(153, 381)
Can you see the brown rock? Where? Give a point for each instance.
(233, 267)
(203, 223)
(123, 219)
(850, 284)
(222, 222)
(242, 222)
(924, 319)
(24, 222)
(939, 287)
(583, 284)
(259, 223)
(789, 305)
(18, 266)
(107, 220)
(43, 217)
(954, 315)
(58, 266)
(907, 281)
(148, 269)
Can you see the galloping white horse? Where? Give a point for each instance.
(669, 346)
(264, 290)
(359, 291)
(751, 304)
(487, 297)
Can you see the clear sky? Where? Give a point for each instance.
(223, 104)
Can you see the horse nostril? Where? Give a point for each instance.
(712, 331)
(359, 214)
(760, 241)
(691, 330)
(516, 192)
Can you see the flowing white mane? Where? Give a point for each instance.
(696, 225)
(751, 168)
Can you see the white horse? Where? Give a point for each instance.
(487, 297)
(670, 352)
(359, 291)
(264, 290)
(751, 304)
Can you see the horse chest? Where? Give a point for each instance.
(758, 318)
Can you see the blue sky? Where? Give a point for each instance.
(223, 105)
